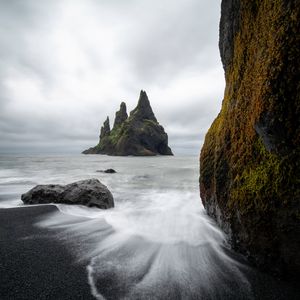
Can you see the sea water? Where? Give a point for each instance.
(156, 243)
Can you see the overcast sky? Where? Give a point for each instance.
(66, 64)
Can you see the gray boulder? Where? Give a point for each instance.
(90, 192)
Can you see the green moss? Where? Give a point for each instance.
(150, 122)
(258, 190)
(115, 135)
(259, 183)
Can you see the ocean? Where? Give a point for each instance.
(156, 243)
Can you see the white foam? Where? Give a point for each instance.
(163, 217)
(91, 282)
(10, 203)
(151, 245)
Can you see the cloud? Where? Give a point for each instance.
(65, 65)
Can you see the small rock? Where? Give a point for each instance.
(111, 171)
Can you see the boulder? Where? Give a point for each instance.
(90, 192)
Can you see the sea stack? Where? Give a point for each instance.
(121, 115)
(250, 160)
(140, 134)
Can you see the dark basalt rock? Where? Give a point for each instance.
(143, 111)
(272, 132)
(250, 160)
(229, 26)
(105, 129)
(121, 116)
(140, 134)
(109, 171)
(91, 193)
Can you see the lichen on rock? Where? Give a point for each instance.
(250, 160)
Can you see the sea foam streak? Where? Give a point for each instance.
(160, 247)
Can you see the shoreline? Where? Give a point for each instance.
(35, 265)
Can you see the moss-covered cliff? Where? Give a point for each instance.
(140, 134)
(250, 160)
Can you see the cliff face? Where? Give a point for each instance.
(139, 134)
(250, 160)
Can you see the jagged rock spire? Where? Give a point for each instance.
(121, 115)
(139, 135)
(143, 109)
(105, 129)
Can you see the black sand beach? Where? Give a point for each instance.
(33, 265)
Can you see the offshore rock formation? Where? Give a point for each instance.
(250, 161)
(90, 192)
(105, 129)
(139, 134)
(121, 115)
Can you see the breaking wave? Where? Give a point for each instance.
(160, 246)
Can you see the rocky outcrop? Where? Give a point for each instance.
(250, 160)
(140, 134)
(143, 111)
(91, 193)
(105, 129)
(121, 116)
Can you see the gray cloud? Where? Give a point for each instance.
(65, 65)
(174, 38)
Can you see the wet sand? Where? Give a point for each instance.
(33, 264)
